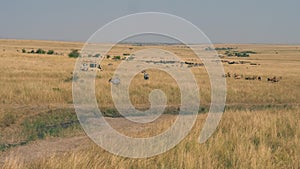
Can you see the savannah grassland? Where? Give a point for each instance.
(39, 129)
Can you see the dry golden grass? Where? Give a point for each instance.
(263, 134)
(244, 139)
(33, 78)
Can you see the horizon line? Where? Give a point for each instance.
(153, 43)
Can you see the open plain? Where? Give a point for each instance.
(260, 127)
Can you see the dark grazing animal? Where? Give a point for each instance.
(146, 76)
(236, 76)
(251, 78)
(227, 75)
(274, 79)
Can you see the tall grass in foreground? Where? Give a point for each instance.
(244, 139)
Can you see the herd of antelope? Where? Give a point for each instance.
(237, 76)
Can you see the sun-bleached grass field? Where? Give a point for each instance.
(46, 79)
(259, 129)
(244, 139)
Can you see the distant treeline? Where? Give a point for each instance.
(39, 51)
(230, 52)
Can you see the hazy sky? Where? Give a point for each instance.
(223, 21)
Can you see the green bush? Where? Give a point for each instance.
(40, 51)
(23, 51)
(50, 52)
(97, 55)
(74, 54)
(111, 112)
(241, 54)
(117, 57)
(238, 54)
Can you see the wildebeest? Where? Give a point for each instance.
(99, 67)
(232, 62)
(236, 76)
(274, 79)
(227, 75)
(188, 63)
(146, 75)
(251, 78)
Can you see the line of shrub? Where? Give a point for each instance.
(239, 54)
(40, 51)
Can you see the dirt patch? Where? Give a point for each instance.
(43, 148)
(48, 147)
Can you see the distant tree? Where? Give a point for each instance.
(74, 54)
(40, 51)
(241, 54)
(117, 57)
(32, 51)
(50, 52)
(97, 55)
